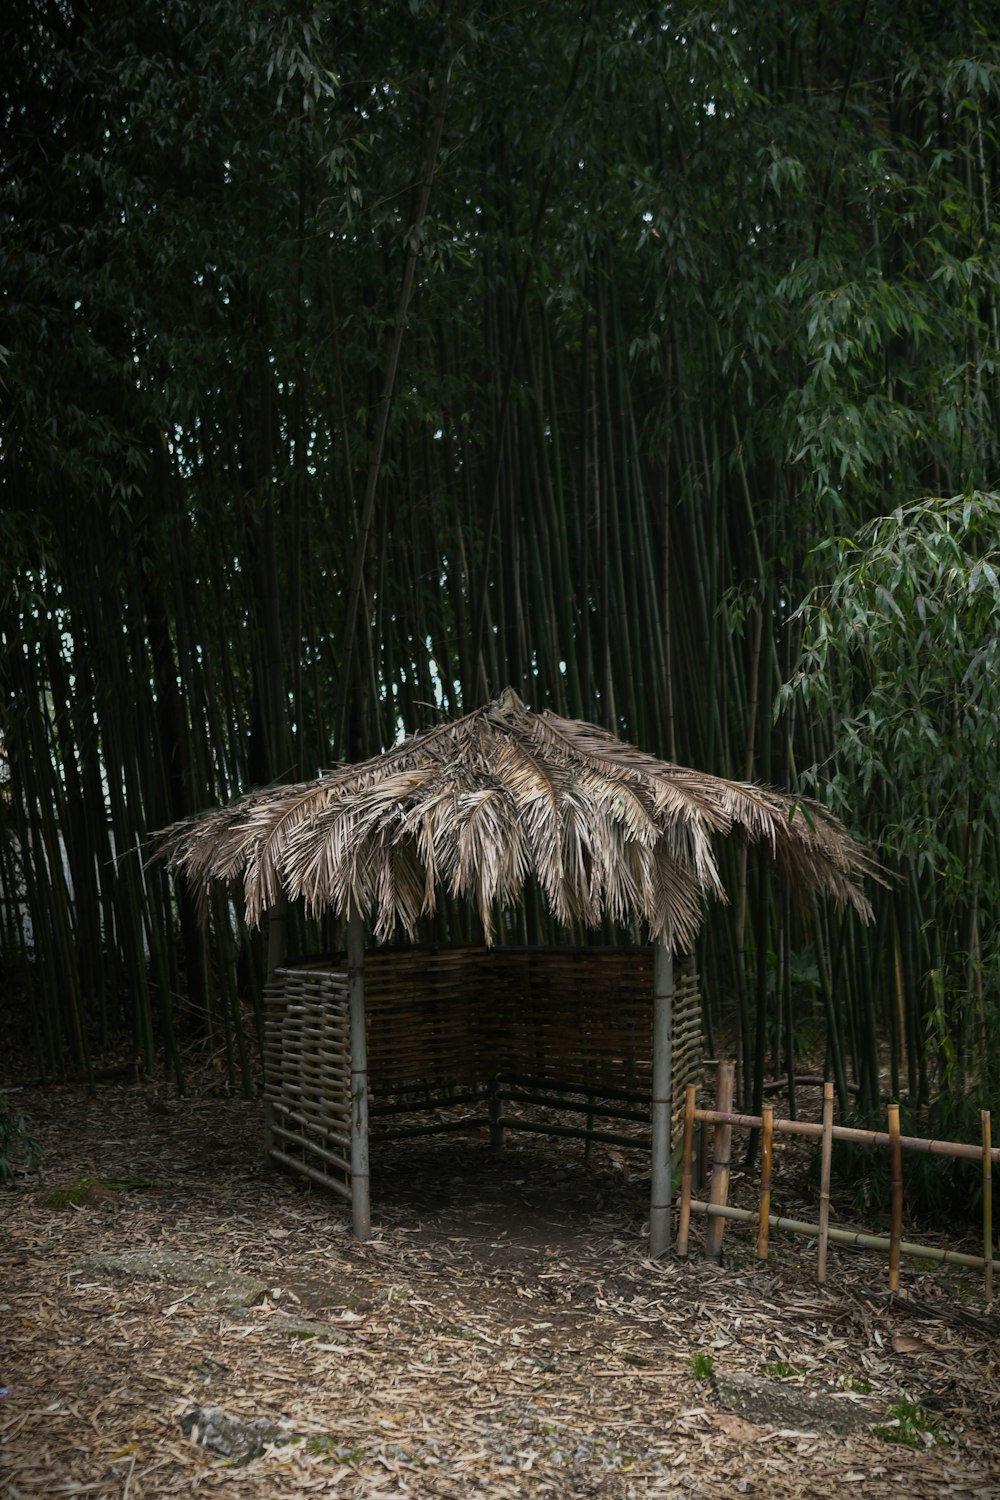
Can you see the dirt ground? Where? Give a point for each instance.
(502, 1335)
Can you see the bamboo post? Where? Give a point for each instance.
(268, 1107)
(764, 1209)
(360, 1199)
(722, 1144)
(896, 1169)
(687, 1154)
(701, 1132)
(277, 922)
(661, 1187)
(826, 1157)
(987, 1205)
(496, 1114)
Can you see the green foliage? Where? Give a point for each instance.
(779, 1369)
(94, 1190)
(900, 649)
(702, 1365)
(326, 1447)
(937, 1189)
(20, 1153)
(912, 1426)
(900, 656)
(683, 300)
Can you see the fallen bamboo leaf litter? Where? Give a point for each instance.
(505, 1333)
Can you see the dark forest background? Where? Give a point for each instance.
(361, 360)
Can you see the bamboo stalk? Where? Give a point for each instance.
(987, 1206)
(360, 1200)
(495, 1113)
(701, 1140)
(440, 1127)
(375, 462)
(764, 1207)
(661, 1183)
(824, 1181)
(687, 1154)
(896, 1168)
(719, 1191)
(283, 1116)
(306, 1143)
(592, 1110)
(313, 1173)
(575, 1132)
(899, 1012)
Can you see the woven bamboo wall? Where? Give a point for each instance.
(307, 1058)
(446, 1025)
(580, 1021)
(424, 1019)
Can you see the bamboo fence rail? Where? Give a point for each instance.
(717, 1210)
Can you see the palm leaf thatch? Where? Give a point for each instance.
(479, 805)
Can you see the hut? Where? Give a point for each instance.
(478, 807)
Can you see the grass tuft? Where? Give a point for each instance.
(911, 1426)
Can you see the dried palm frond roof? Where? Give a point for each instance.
(480, 804)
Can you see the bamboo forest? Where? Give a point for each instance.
(361, 362)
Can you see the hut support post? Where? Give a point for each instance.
(360, 1201)
(277, 919)
(277, 922)
(662, 1173)
(495, 1106)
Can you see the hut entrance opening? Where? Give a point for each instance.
(555, 1041)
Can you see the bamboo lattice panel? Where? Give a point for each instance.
(582, 1020)
(423, 1010)
(307, 1058)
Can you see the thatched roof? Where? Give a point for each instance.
(479, 805)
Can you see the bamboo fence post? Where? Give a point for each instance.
(701, 1173)
(896, 1168)
(987, 1205)
(722, 1143)
(826, 1157)
(764, 1208)
(661, 1188)
(360, 1193)
(687, 1153)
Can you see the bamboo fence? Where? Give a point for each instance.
(717, 1209)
